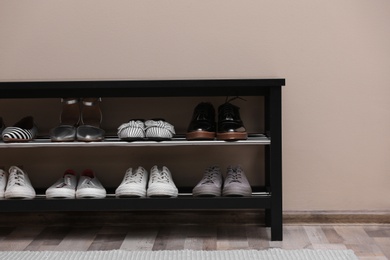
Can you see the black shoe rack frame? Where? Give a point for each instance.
(270, 199)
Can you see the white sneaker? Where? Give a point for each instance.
(64, 187)
(236, 183)
(133, 183)
(18, 185)
(90, 187)
(211, 183)
(3, 182)
(161, 183)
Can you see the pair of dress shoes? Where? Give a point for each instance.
(204, 127)
(80, 120)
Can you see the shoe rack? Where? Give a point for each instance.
(267, 197)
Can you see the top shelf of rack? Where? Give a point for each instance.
(138, 88)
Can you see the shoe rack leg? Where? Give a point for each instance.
(274, 216)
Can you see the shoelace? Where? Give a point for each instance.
(162, 177)
(235, 175)
(209, 176)
(88, 182)
(66, 182)
(16, 178)
(227, 100)
(202, 114)
(134, 177)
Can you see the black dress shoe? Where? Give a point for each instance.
(202, 125)
(230, 126)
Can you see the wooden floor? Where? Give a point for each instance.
(367, 241)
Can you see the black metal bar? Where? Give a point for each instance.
(130, 204)
(275, 153)
(267, 158)
(136, 88)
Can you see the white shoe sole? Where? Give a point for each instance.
(61, 194)
(234, 191)
(162, 191)
(206, 191)
(89, 193)
(130, 191)
(19, 194)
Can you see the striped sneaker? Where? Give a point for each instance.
(236, 183)
(64, 187)
(2, 127)
(23, 131)
(18, 185)
(132, 131)
(161, 183)
(133, 184)
(158, 130)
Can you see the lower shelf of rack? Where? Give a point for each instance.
(110, 203)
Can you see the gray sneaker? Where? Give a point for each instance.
(236, 183)
(211, 183)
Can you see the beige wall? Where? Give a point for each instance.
(335, 56)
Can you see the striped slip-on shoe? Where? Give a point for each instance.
(23, 131)
(158, 130)
(132, 131)
(2, 126)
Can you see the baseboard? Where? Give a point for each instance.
(335, 217)
(189, 217)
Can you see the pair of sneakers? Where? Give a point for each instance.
(138, 183)
(16, 184)
(153, 129)
(67, 187)
(235, 184)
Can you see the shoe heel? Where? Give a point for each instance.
(91, 113)
(70, 114)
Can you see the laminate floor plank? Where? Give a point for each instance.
(258, 237)
(194, 239)
(139, 239)
(357, 239)
(48, 239)
(104, 242)
(295, 237)
(20, 238)
(237, 237)
(176, 238)
(78, 239)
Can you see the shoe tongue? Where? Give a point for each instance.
(88, 173)
(70, 171)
